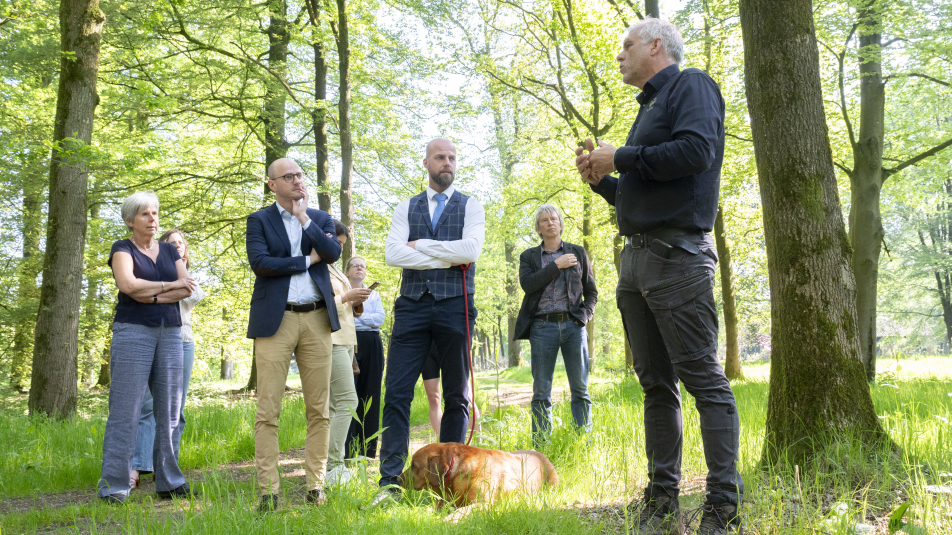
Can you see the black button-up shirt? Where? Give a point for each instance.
(670, 166)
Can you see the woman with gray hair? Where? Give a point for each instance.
(146, 351)
(145, 437)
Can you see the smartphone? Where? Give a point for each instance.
(661, 248)
(374, 285)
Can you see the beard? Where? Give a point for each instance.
(443, 179)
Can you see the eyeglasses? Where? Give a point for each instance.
(291, 177)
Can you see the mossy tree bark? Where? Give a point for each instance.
(818, 385)
(732, 366)
(53, 389)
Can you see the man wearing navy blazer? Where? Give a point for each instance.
(289, 247)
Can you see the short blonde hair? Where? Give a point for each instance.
(547, 209)
(136, 202)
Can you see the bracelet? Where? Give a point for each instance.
(163, 285)
(155, 299)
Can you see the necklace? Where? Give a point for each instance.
(149, 248)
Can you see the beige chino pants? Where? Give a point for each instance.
(308, 336)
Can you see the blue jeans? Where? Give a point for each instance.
(545, 340)
(417, 324)
(145, 437)
(142, 359)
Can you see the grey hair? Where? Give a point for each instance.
(651, 28)
(547, 209)
(136, 202)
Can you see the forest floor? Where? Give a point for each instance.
(601, 472)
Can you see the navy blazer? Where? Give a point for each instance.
(269, 252)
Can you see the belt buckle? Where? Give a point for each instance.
(636, 241)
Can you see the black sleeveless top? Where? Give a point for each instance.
(128, 310)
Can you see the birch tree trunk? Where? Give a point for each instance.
(53, 389)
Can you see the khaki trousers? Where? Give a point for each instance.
(308, 336)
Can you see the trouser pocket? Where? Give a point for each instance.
(686, 316)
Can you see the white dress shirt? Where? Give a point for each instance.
(435, 254)
(302, 289)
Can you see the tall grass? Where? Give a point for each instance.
(842, 486)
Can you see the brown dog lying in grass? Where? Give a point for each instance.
(463, 475)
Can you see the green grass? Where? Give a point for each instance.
(842, 485)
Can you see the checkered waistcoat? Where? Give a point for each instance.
(442, 283)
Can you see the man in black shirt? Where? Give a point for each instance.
(666, 200)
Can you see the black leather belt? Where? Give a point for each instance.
(668, 235)
(306, 307)
(556, 317)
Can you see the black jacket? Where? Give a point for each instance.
(582, 293)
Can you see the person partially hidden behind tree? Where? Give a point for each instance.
(666, 200)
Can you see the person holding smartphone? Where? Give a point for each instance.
(368, 369)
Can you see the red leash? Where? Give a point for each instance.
(469, 354)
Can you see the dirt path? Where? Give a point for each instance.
(291, 462)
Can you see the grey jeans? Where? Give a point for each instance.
(667, 307)
(142, 358)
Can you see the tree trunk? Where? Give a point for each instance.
(346, 143)
(227, 371)
(104, 374)
(617, 246)
(512, 297)
(275, 100)
(27, 294)
(91, 343)
(586, 244)
(732, 365)
(866, 181)
(818, 387)
(53, 384)
(319, 115)
(652, 9)
(273, 115)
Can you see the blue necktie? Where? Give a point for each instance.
(440, 204)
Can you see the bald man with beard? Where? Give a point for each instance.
(431, 236)
(289, 248)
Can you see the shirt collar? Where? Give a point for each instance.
(284, 213)
(430, 192)
(557, 249)
(656, 82)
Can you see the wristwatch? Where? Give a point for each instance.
(155, 299)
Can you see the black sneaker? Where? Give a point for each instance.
(116, 498)
(717, 518)
(660, 515)
(316, 496)
(181, 492)
(269, 503)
